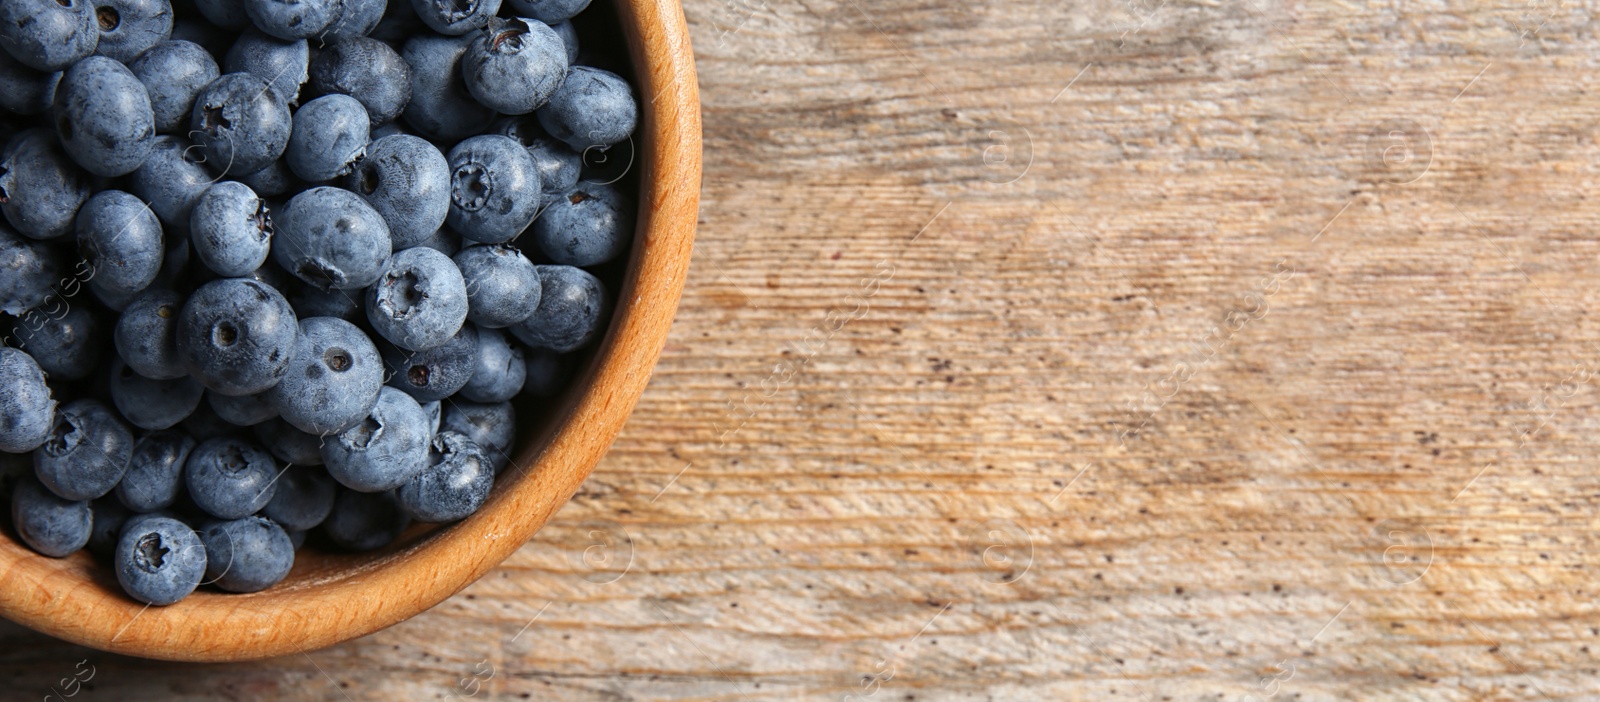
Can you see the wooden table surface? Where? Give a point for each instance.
(1094, 350)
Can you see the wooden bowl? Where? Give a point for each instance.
(330, 598)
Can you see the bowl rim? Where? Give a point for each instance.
(66, 599)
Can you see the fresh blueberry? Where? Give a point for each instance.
(41, 188)
(309, 301)
(571, 311)
(513, 66)
(303, 499)
(363, 521)
(436, 373)
(246, 555)
(276, 180)
(455, 483)
(549, 11)
(331, 238)
(288, 444)
(444, 241)
(49, 524)
(494, 188)
(357, 18)
(152, 404)
(590, 225)
(559, 168)
(502, 284)
(204, 424)
(385, 450)
(159, 560)
(333, 379)
(296, 537)
(173, 74)
(241, 125)
(292, 19)
(330, 135)
(28, 272)
(242, 410)
(172, 179)
(455, 17)
(501, 369)
(129, 28)
(195, 28)
(226, 14)
(399, 23)
(108, 516)
(592, 109)
(282, 63)
(26, 408)
(388, 129)
(120, 238)
(146, 334)
(104, 117)
(155, 471)
(230, 478)
(547, 373)
(440, 107)
(67, 347)
(420, 300)
(407, 181)
(48, 35)
(367, 70)
(435, 412)
(24, 90)
(492, 426)
(87, 452)
(237, 335)
(231, 229)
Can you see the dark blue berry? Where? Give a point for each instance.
(129, 28)
(288, 444)
(204, 424)
(440, 107)
(283, 64)
(367, 70)
(502, 284)
(571, 310)
(436, 373)
(590, 225)
(242, 410)
(41, 188)
(159, 560)
(363, 521)
(513, 66)
(309, 301)
(547, 373)
(87, 452)
(273, 181)
(407, 181)
(152, 404)
(454, 17)
(492, 426)
(230, 478)
(236, 335)
(108, 516)
(420, 300)
(330, 135)
(172, 179)
(67, 347)
(357, 18)
(549, 11)
(231, 229)
(331, 238)
(104, 117)
(569, 38)
(241, 125)
(292, 19)
(155, 471)
(48, 35)
(455, 483)
(48, 524)
(120, 238)
(146, 334)
(28, 272)
(383, 451)
(501, 369)
(246, 555)
(24, 90)
(173, 74)
(592, 109)
(226, 14)
(26, 408)
(444, 241)
(303, 499)
(494, 188)
(333, 378)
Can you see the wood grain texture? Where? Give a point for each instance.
(1370, 479)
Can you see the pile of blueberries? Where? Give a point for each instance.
(329, 242)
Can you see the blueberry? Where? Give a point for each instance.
(24, 90)
(388, 129)
(492, 426)
(230, 478)
(331, 238)
(282, 63)
(242, 410)
(28, 272)
(296, 537)
(435, 412)
(571, 312)
(195, 29)
(240, 124)
(107, 518)
(547, 373)
(436, 373)
(292, 19)
(49, 524)
(357, 18)
(146, 334)
(276, 180)
(455, 483)
(129, 28)
(120, 238)
(26, 408)
(226, 14)
(330, 135)
(333, 378)
(444, 241)
(385, 450)
(303, 499)
(502, 284)
(399, 22)
(363, 521)
(104, 117)
(231, 229)
(455, 17)
(513, 66)
(204, 424)
(407, 181)
(236, 335)
(159, 560)
(440, 107)
(152, 404)
(494, 188)
(246, 555)
(592, 109)
(67, 347)
(500, 372)
(155, 471)
(87, 452)
(172, 179)
(173, 73)
(308, 301)
(588, 226)
(549, 11)
(48, 35)
(367, 70)
(289, 444)
(420, 300)
(559, 168)
(41, 188)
